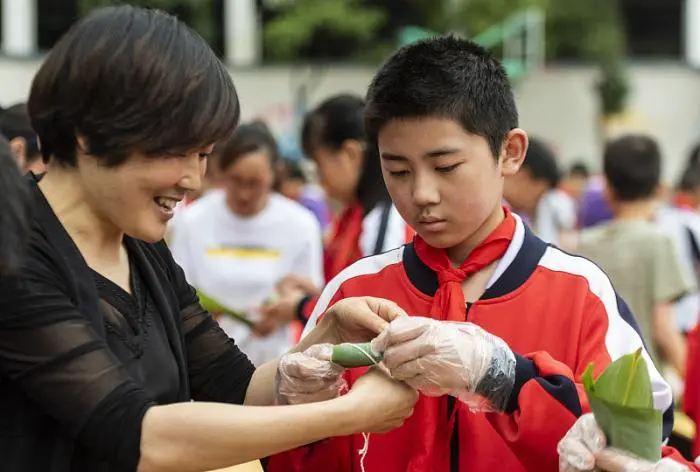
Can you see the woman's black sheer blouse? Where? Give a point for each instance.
(81, 360)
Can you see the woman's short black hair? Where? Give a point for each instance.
(248, 138)
(128, 80)
(14, 211)
(336, 120)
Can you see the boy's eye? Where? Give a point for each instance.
(203, 155)
(398, 173)
(447, 169)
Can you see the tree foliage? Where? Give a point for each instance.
(301, 24)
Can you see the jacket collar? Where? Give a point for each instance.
(512, 270)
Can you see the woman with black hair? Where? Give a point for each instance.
(103, 343)
(235, 243)
(333, 136)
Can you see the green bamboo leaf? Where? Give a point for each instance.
(621, 400)
(626, 382)
(588, 381)
(214, 306)
(355, 355)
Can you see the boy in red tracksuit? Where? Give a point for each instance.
(502, 325)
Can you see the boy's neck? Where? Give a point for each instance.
(639, 210)
(459, 253)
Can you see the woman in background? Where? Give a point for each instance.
(333, 136)
(238, 241)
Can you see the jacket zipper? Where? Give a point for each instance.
(451, 404)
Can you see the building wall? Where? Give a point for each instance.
(557, 104)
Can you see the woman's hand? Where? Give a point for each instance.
(583, 449)
(358, 319)
(308, 377)
(381, 403)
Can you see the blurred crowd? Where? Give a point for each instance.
(267, 232)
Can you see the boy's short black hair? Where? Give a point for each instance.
(15, 123)
(632, 167)
(14, 211)
(248, 138)
(541, 163)
(444, 77)
(129, 80)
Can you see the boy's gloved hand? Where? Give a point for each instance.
(440, 358)
(583, 449)
(308, 377)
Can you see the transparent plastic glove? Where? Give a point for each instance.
(583, 449)
(308, 377)
(458, 359)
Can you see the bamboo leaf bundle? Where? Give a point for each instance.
(350, 355)
(622, 402)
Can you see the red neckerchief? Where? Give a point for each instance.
(344, 246)
(684, 201)
(449, 303)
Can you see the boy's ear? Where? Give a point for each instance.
(513, 151)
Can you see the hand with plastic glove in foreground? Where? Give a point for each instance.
(459, 359)
(308, 377)
(583, 449)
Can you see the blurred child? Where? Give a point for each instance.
(534, 193)
(640, 258)
(17, 128)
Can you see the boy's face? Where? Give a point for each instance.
(445, 182)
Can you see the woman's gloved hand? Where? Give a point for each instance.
(459, 359)
(308, 376)
(584, 449)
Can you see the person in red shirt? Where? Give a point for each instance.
(503, 325)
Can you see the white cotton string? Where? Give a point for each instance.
(364, 353)
(363, 451)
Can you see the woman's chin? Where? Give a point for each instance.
(151, 233)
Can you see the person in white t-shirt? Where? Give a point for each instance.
(237, 242)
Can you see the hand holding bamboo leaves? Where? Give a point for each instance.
(458, 359)
(309, 376)
(583, 449)
(314, 371)
(622, 401)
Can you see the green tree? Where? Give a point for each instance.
(343, 25)
(590, 30)
(197, 13)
